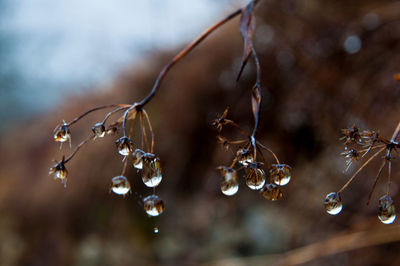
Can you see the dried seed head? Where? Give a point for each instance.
(271, 192)
(120, 185)
(99, 130)
(60, 172)
(62, 133)
(124, 145)
(244, 157)
(386, 210)
(153, 205)
(280, 174)
(351, 135)
(369, 138)
(229, 183)
(255, 177)
(220, 121)
(151, 174)
(333, 203)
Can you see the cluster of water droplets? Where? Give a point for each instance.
(255, 176)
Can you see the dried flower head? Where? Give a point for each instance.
(60, 172)
(357, 146)
(62, 133)
(351, 135)
(219, 122)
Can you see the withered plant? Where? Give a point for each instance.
(358, 146)
(140, 153)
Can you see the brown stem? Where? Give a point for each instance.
(376, 181)
(112, 112)
(79, 146)
(184, 52)
(96, 109)
(269, 150)
(396, 132)
(150, 129)
(257, 85)
(359, 169)
(144, 134)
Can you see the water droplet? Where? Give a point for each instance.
(255, 177)
(155, 230)
(386, 210)
(333, 203)
(151, 175)
(138, 158)
(124, 145)
(99, 130)
(229, 183)
(280, 174)
(62, 134)
(271, 192)
(120, 185)
(244, 157)
(153, 205)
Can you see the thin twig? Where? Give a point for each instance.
(359, 169)
(150, 129)
(96, 109)
(184, 52)
(269, 150)
(376, 181)
(79, 146)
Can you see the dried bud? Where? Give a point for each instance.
(99, 130)
(153, 205)
(255, 177)
(386, 210)
(151, 174)
(220, 121)
(60, 172)
(138, 158)
(62, 133)
(333, 203)
(271, 192)
(124, 145)
(229, 183)
(351, 135)
(280, 174)
(120, 185)
(244, 157)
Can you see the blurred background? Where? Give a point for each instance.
(326, 65)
